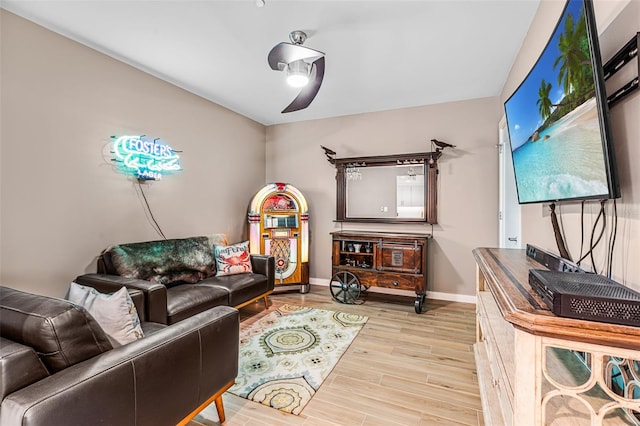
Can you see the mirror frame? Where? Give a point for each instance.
(429, 159)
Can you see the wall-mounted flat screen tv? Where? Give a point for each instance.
(558, 118)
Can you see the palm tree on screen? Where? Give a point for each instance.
(573, 58)
(543, 102)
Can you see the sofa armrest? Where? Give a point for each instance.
(20, 366)
(265, 265)
(138, 299)
(155, 294)
(159, 379)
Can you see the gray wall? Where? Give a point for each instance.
(467, 183)
(62, 202)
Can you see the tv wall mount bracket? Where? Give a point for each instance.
(619, 60)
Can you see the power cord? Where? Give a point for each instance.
(603, 216)
(614, 232)
(612, 235)
(558, 234)
(561, 223)
(157, 226)
(581, 229)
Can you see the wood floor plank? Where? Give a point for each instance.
(433, 392)
(347, 368)
(368, 405)
(432, 339)
(408, 366)
(317, 421)
(436, 354)
(398, 367)
(464, 355)
(402, 368)
(321, 410)
(378, 346)
(449, 381)
(377, 421)
(406, 405)
(431, 420)
(386, 342)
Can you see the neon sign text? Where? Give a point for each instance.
(145, 158)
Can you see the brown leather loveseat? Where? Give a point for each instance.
(57, 367)
(179, 277)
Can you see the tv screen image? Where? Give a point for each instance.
(558, 118)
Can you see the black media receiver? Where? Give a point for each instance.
(586, 296)
(551, 260)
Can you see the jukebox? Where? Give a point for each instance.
(279, 226)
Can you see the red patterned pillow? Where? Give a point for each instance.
(233, 259)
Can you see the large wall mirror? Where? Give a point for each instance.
(394, 188)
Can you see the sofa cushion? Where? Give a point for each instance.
(186, 260)
(115, 312)
(62, 333)
(233, 259)
(186, 300)
(240, 287)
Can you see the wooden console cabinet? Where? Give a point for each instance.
(535, 368)
(379, 259)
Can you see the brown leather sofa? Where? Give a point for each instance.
(57, 367)
(176, 282)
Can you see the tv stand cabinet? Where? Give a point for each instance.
(535, 368)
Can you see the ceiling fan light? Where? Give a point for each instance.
(294, 80)
(298, 73)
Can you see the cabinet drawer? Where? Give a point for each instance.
(367, 278)
(492, 328)
(398, 281)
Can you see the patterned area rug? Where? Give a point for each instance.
(285, 356)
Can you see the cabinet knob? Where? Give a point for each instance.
(395, 283)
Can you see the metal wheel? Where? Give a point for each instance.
(345, 287)
(419, 304)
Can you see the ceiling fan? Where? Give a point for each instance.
(304, 68)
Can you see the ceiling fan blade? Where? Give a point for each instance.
(285, 53)
(308, 92)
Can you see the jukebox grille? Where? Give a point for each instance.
(281, 250)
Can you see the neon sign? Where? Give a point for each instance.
(144, 158)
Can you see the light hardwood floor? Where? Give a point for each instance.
(402, 368)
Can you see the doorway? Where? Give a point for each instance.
(509, 209)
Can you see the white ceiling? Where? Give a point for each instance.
(380, 55)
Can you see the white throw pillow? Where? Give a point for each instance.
(115, 312)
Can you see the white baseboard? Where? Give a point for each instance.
(430, 294)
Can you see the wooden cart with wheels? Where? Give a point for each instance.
(378, 259)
